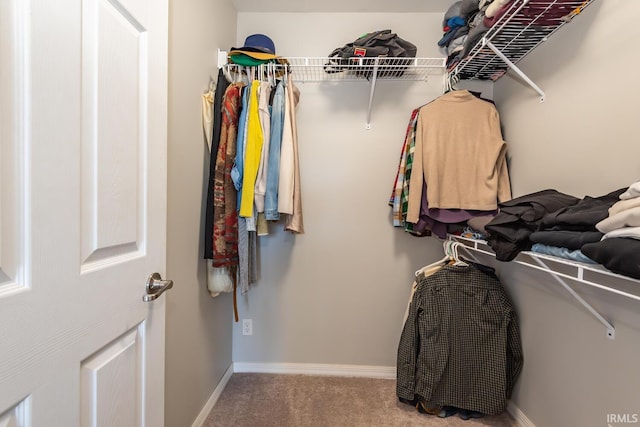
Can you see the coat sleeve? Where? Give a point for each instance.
(504, 183)
(417, 175)
(407, 351)
(514, 354)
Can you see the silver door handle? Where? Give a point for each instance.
(155, 287)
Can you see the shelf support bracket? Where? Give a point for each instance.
(611, 332)
(514, 68)
(374, 77)
(222, 58)
(471, 245)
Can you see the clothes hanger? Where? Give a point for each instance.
(236, 76)
(226, 71)
(440, 263)
(450, 83)
(451, 250)
(458, 259)
(272, 74)
(451, 255)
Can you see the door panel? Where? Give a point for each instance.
(16, 416)
(12, 130)
(82, 212)
(114, 134)
(111, 381)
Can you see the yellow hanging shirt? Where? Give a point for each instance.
(253, 152)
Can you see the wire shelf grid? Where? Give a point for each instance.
(521, 29)
(319, 69)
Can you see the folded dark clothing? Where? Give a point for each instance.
(619, 254)
(565, 238)
(509, 231)
(509, 227)
(532, 207)
(583, 215)
(507, 251)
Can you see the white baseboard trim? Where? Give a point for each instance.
(518, 415)
(363, 371)
(204, 413)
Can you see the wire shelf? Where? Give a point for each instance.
(357, 69)
(525, 25)
(364, 69)
(320, 69)
(591, 274)
(594, 275)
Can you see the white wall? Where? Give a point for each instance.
(585, 132)
(337, 294)
(582, 140)
(198, 344)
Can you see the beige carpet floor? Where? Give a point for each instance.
(274, 400)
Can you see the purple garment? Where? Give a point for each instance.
(437, 220)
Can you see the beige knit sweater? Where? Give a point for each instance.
(460, 155)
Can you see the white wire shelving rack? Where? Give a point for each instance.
(525, 25)
(560, 269)
(367, 70)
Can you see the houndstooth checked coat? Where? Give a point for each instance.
(460, 344)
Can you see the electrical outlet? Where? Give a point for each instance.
(247, 327)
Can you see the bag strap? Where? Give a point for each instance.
(330, 66)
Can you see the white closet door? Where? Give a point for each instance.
(82, 211)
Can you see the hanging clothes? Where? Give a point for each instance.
(260, 189)
(460, 156)
(425, 271)
(219, 279)
(275, 143)
(460, 345)
(406, 199)
(225, 221)
(397, 201)
(246, 243)
(221, 87)
(259, 147)
(237, 172)
(263, 167)
(253, 152)
(294, 221)
(285, 181)
(208, 99)
(224, 265)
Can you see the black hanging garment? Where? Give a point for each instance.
(460, 345)
(221, 87)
